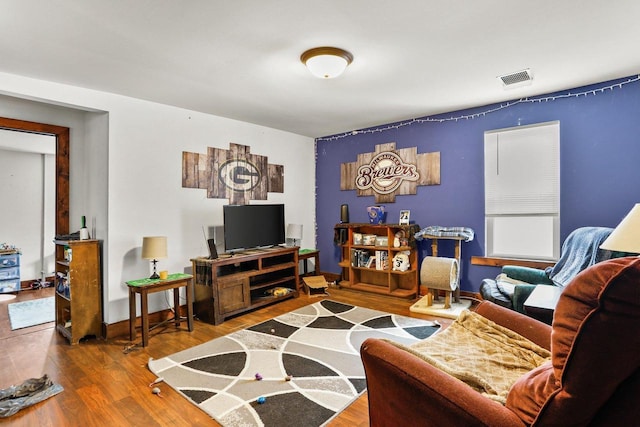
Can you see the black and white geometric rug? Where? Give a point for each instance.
(300, 368)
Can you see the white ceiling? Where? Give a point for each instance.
(240, 58)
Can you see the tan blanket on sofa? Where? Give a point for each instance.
(484, 355)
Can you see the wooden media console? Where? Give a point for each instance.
(246, 280)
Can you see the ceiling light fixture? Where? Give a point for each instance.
(326, 62)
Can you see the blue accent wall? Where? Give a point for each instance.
(600, 167)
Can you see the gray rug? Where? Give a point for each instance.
(31, 313)
(301, 368)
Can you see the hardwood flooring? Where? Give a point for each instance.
(106, 382)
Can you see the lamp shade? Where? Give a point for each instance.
(626, 236)
(294, 231)
(154, 247)
(326, 62)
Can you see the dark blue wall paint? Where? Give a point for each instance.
(599, 149)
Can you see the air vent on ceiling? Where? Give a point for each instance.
(517, 77)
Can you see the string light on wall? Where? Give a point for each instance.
(482, 113)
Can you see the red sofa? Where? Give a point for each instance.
(593, 377)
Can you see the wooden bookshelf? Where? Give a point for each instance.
(78, 285)
(380, 278)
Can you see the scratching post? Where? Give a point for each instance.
(440, 273)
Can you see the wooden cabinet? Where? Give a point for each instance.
(364, 251)
(231, 285)
(234, 293)
(78, 284)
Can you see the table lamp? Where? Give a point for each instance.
(154, 248)
(626, 236)
(294, 232)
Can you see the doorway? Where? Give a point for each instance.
(62, 166)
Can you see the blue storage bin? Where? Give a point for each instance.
(9, 273)
(9, 260)
(12, 285)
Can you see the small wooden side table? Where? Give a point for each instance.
(144, 287)
(304, 256)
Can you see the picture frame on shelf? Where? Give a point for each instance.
(357, 238)
(404, 217)
(369, 239)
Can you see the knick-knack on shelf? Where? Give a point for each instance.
(84, 231)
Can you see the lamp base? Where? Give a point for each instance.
(155, 272)
(291, 242)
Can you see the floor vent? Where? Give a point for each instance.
(517, 77)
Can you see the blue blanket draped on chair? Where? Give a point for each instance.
(580, 250)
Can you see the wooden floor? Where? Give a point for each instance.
(106, 382)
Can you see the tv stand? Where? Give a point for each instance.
(226, 287)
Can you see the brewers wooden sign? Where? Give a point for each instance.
(388, 172)
(235, 174)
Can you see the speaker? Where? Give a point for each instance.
(213, 252)
(343, 236)
(344, 213)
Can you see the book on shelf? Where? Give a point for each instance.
(360, 258)
(364, 258)
(371, 262)
(382, 260)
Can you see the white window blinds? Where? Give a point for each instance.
(522, 191)
(522, 170)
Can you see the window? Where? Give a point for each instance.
(522, 192)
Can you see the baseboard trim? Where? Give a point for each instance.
(121, 329)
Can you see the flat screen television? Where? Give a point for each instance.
(251, 226)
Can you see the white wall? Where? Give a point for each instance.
(131, 178)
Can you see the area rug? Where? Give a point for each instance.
(30, 313)
(300, 368)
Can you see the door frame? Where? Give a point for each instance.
(61, 134)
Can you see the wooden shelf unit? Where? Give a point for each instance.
(79, 307)
(231, 285)
(402, 284)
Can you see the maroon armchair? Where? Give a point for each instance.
(593, 377)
